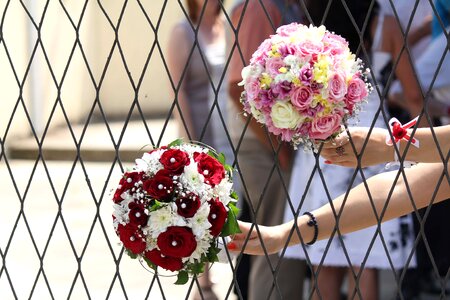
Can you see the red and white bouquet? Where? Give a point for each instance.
(303, 83)
(173, 206)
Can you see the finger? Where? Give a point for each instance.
(331, 155)
(340, 140)
(245, 228)
(346, 163)
(252, 246)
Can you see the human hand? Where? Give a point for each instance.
(271, 235)
(340, 151)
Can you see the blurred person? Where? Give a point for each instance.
(431, 72)
(420, 16)
(382, 42)
(198, 96)
(263, 163)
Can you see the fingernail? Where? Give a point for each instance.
(328, 162)
(231, 246)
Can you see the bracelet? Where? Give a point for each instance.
(312, 223)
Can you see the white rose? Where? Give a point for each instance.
(250, 71)
(284, 115)
(257, 114)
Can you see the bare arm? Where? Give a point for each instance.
(393, 43)
(377, 152)
(420, 32)
(177, 59)
(357, 211)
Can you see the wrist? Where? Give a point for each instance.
(387, 151)
(306, 231)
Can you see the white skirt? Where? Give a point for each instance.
(397, 234)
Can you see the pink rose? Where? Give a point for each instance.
(322, 128)
(334, 44)
(252, 89)
(304, 129)
(287, 49)
(356, 91)
(337, 87)
(285, 133)
(287, 30)
(261, 53)
(273, 65)
(309, 48)
(301, 97)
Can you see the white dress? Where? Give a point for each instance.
(398, 234)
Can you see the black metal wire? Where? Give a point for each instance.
(97, 110)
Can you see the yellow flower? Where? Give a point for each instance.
(296, 81)
(274, 52)
(321, 69)
(282, 70)
(265, 80)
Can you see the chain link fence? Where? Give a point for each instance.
(86, 84)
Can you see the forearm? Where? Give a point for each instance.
(357, 211)
(420, 32)
(428, 150)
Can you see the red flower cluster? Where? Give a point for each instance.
(152, 201)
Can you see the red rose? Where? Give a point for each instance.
(210, 168)
(177, 241)
(174, 161)
(165, 262)
(160, 186)
(188, 206)
(217, 216)
(131, 238)
(137, 215)
(127, 182)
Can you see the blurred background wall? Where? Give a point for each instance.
(64, 81)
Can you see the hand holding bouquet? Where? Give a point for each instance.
(171, 208)
(303, 83)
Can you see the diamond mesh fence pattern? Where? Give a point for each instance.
(87, 85)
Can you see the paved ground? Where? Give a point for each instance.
(77, 188)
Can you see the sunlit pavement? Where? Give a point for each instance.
(68, 204)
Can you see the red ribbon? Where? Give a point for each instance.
(399, 131)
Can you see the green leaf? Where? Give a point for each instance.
(212, 254)
(175, 143)
(131, 254)
(234, 195)
(156, 205)
(231, 225)
(221, 158)
(183, 278)
(229, 169)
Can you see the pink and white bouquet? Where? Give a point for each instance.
(303, 83)
(173, 206)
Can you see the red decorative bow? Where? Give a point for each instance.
(400, 132)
